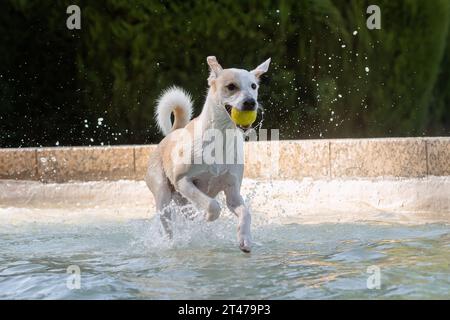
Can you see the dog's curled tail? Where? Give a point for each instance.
(177, 101)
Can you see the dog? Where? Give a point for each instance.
(199, 182)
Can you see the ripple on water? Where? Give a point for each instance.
(135, 260)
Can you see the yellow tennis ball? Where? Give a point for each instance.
(243, 118)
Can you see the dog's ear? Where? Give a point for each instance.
(214, 67)
(262, 68)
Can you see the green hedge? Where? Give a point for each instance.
(53, 80)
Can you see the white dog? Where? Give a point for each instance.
(178, 169)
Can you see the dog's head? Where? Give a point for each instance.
(236, 88)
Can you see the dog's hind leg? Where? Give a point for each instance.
(163, 200)
(159, 185)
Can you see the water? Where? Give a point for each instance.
(132, 260)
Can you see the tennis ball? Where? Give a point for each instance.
(243, 118)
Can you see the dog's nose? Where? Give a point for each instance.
(249, 104)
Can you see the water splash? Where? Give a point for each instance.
(189, 229)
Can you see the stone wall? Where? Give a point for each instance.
(316, 159)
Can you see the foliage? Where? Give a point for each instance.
(330, 76)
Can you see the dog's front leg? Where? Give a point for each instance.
(190, 191)
(237, 205)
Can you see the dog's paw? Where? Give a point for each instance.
(245, 245)
(213, 210)
(245, 248)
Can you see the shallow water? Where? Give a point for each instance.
(132, 259)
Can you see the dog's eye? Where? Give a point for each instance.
(253, 86)
(231, 87)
